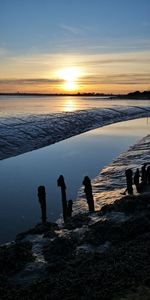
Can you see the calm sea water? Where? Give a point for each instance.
(85, 154)
(19, 105)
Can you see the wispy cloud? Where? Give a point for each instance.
(72, 29)
(29, 81)
(114, 61)
(121, 78)
(59, 60)
(31, 85)
(120, 45)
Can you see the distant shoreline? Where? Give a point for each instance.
(134, 95)
(58, 94)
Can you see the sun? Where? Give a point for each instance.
(70, 86)
(70, 77)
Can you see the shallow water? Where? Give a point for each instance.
(85, 154)
(27, 105)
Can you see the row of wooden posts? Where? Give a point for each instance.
(66, 205)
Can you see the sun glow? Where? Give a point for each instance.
(70, 86)
(70, 77)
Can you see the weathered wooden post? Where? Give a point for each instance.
(88, 192)
(129, 181)
(136, 180)
(61, 183)
(148, 175)
(69, 208)
(144, 174)
(42, 200)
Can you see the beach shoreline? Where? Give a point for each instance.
(110, 183)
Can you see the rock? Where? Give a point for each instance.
(14, 257)
(77, 221)
(128, 204)
(104, 231)
(47, 228)
(58, 249)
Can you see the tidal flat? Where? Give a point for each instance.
(23, 133)
(100, 255)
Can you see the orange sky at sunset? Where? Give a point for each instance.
(72, 46)
(55, 73)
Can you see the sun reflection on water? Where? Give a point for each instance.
(70, 105)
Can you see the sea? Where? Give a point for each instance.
(35, 105)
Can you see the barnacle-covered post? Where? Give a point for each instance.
(69, 208)
(61, 183)
(88, 192)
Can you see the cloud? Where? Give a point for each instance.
(31, 85)
(31, 81)
(120, 45)
(121, 78)
(71, 29)
(115, 61)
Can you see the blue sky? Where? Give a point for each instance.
(85, 27)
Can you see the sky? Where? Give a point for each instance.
(65, 46)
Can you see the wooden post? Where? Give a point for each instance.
(61, 183)
(42, 200)
(88, 192)
(129, 181)
(69, 208)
